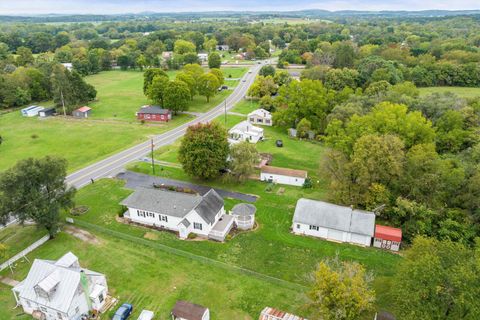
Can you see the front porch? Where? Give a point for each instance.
(221, 228)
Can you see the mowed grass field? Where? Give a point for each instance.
(463, 92)
(17, 238)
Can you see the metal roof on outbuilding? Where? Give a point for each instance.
(332, 216)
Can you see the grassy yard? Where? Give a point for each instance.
(81, 142)
(463, 92)
(152, 279)
(246, 106)
(17, 238)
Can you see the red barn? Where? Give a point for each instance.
(387, 237)
(154, 113)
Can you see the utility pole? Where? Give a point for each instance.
(153, 161)
(63, 103)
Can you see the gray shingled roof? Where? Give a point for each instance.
(188, 310)
(244, 209)
(332, 216)
(175, 204)
(153, 110)
(209, 206)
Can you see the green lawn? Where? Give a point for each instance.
(246, 106)
(17, 238)
(81, 142)
(152, 279)
(463, 92)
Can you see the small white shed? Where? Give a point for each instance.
(244, 215)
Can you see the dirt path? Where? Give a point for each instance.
(82, 234)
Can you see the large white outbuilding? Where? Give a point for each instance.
(279, 175)
(333, 222)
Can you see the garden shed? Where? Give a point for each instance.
(387, 237)
(83, 112)
(244, 215)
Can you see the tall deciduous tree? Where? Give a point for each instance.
(208, 85)
(176, 96)
(438, 280)
(35, 189)
(204, 150)
(148, 76)
(156, 91)
(244, 156)
(214, 60)
(341, 291)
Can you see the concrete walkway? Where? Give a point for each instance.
(9, 282)
(136, 180)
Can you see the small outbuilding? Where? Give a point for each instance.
(333, 222)
(292, 132)
(31, 111)
(275, 314)
(279, 175)
(46, 112)
(184, 310)
(154, 113)
(387, 238)
(244, 215)
(83, 112)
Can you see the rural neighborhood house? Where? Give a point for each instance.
(61, 290)
(184, 213)
(154, 113)
(260, 117)
(333, 222)
(245, 131)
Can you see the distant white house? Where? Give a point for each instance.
(31, 111)
(202, 57)
(245, 131)
(260, 117)
(333, 222)
(68, 66)
(184, 213)
(61, 290)
(279, 175)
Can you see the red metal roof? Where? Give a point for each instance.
(84, 109)
(388, 233)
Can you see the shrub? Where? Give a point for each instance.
(307, 184)
(34, 136)
(269, 187)
(192, 235)
(121, 211)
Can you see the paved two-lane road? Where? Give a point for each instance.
(114, 164)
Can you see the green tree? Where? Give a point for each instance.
(183, 46)
(176, 96)
(219, 74)
(303, 127)
(156, 91)
(208, 85)
(189, 81)
(341, 291)
(36, 189)
(24, 56)
(263, 86)
(266, 71)
(243, 158)
(438, 280)
(282, 77)
(204, 149)
(148, 76)
(214, 60)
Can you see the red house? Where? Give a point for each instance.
(387, 237)
(154, 113)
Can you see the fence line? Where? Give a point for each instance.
(24, 252)
(189, 255)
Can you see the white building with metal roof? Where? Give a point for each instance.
(61, 290)
(245, 131)
(333, 222)
(181, 212)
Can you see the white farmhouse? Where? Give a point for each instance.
(260, 117)
(61, 290)
(333, 222)
(184, 213)
(279, 175)
(202, 57)
(245, 131)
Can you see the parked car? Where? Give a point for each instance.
(279, 143)
(146, 315)
(123, 312)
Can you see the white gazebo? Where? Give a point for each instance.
(244, 215)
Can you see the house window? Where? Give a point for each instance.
(252, 120)
(165, 218)
(77, 310)
(197, 225)
(100, 298)
(316, 228)
(267, 121)
(259, 120)
(298, 226)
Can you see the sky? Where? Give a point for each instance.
(9, 7)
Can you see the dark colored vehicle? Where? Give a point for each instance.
(279, 143)
(123, 312)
